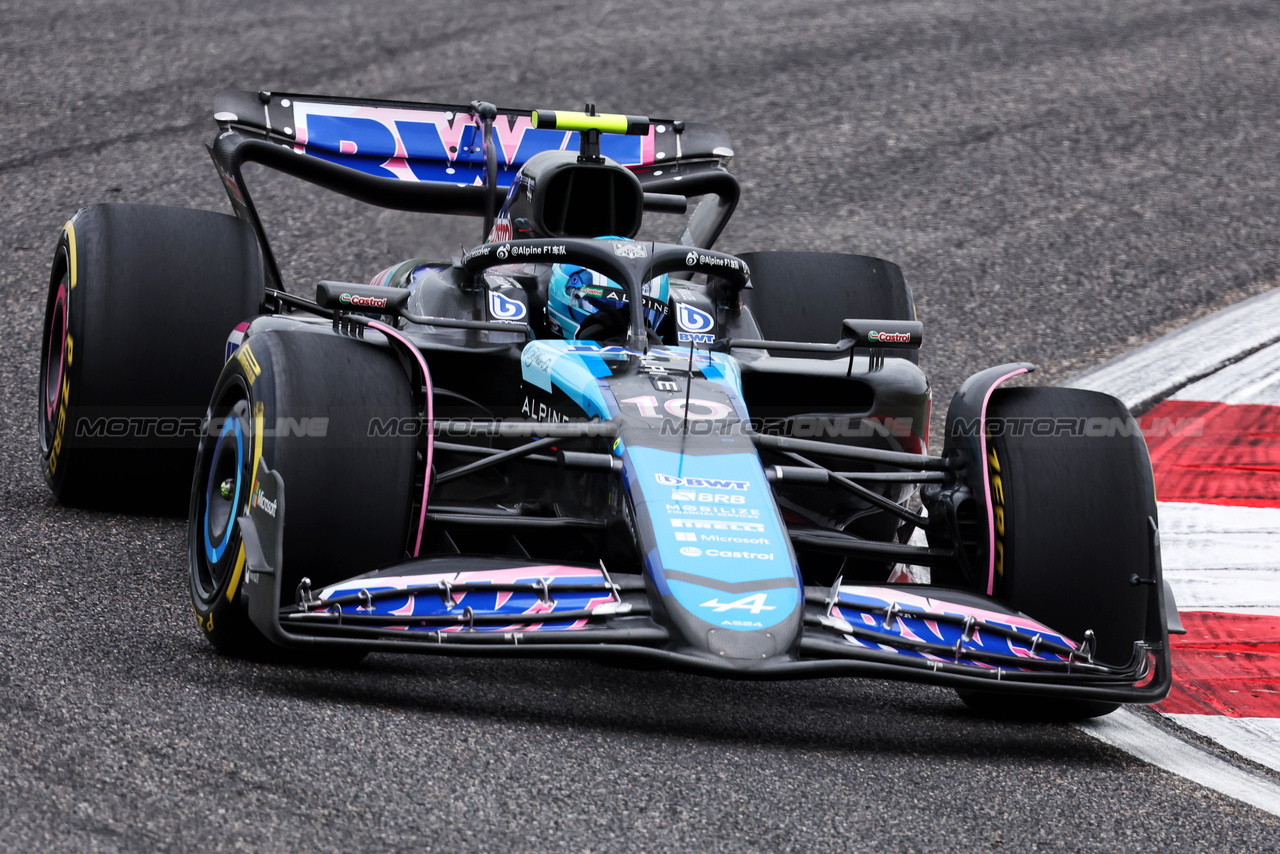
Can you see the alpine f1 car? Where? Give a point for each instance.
(573, 442)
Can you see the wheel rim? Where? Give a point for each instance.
(53, 363)
(224, 495)
(220, 501)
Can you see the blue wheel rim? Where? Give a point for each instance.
(215, 552)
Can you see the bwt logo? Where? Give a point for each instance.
(502, 308)
(702, 482)
(692, 319)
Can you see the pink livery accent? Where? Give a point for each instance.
(930, 604)
(431, 441)
(986, 481)
(514, 575)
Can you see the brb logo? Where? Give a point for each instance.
(503, 309)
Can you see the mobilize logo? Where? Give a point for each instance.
(889, 337)
(702, 482)
(363, 302)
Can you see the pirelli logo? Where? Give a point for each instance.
(751, 527)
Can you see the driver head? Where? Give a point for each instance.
(577, 294)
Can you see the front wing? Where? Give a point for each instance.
(502, 607)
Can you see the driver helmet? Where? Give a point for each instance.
(576, 293)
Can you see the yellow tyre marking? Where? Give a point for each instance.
(71, 242)
(997, 492)
(235, 574)
(258, 413)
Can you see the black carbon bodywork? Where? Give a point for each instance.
(729, 493)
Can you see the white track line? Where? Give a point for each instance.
(1243, 735)
(1154, 371)
(1255, 379)
(1132, 734)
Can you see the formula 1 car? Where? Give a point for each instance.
(573, 442)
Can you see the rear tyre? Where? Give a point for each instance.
(803, 296)
(302, 401)
(1071, 493)
(141, 301)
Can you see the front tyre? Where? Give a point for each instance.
(1071, 493)
(303, 401)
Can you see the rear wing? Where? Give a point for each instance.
(446, 158)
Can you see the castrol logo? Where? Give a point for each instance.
(363, 302)
(889, 337)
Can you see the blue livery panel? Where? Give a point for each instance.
(722, 551)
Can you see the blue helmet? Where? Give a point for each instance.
(576, 293)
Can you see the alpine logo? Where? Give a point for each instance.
(363, 302)
(629, 249)
(693, 319)
(504, 309)
(755, 603)
(889, 337)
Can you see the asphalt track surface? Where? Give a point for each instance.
(1060, 180)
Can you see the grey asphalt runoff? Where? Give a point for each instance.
(1059, 180)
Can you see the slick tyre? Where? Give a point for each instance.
(302, 401)
(141, 300)
(1071, 494)
(803, 296)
